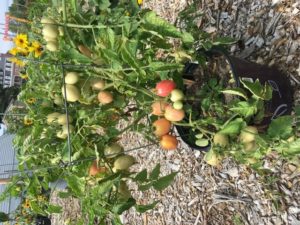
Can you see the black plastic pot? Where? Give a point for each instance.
(42, 220)
(282, 98)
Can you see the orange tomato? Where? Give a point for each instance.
(94, 169)
(162, 127)
(158, 108)
(174, 115)
(168, 142)
(105, 97)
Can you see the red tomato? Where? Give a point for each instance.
(165, 87)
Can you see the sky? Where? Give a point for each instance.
(4, 45)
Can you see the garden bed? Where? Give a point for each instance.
(230, 194)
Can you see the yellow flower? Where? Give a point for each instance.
(24, 76)
(37, 48)
(21, 40)
(27, 121)
(139, 2)
(13, 51)
(24, 212)
(31, 100)
(17, 61)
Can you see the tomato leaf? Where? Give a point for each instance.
(281, 127)
(236, 91)
(120, 208)
(141, 176)
(155, 172)
(244, 109)
(233, 127)
(76, 184)
(54, 209)
(258, 90)
(164, 182)
(144, 208)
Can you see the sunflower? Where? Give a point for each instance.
(37, 48)
(27, 201)
(27, 121)
(24, 76)
(21, 41)
(17, 61)
(14, 51)
(31, 100)
(139, 2)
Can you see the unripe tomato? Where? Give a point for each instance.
(248, 134)
(95, 169)
(113, 150)
(97, 84)
(62, 119)
(176, 95)
(105, 97)
(212, 158)
(71, 78)
(164, 88)
(52, 117)
(178, 105)
(162, 127)
(174, 115)
(158, 108)
(168, 142)
(221, 139)
(250, 146)
(123, 162)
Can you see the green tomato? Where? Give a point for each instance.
(221, 139)
(178, 105)
(176, 95)
(113, 150)
(248, 134)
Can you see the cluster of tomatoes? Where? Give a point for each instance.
(169, 110)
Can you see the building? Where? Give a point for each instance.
(8, 163)
(9, 72)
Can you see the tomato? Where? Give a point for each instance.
(176, 95)
(123, 162)
(71, 78)
(97, 84)
(168, 142)
(158, 108)
(113, 150)
(165, 87)
(174, 115)
(248, 134)
(178, 105)
(250, 146)
(162, 127)
(95, 169)
(221, 139)
(105, 97)
(212, 158)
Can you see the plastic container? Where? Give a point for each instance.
(282, 97)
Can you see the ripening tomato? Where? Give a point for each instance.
(95, 169)
(174, 115)
(162, 127)
(168, 142)
(165, 87)
(158, 108)
(105, 97)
